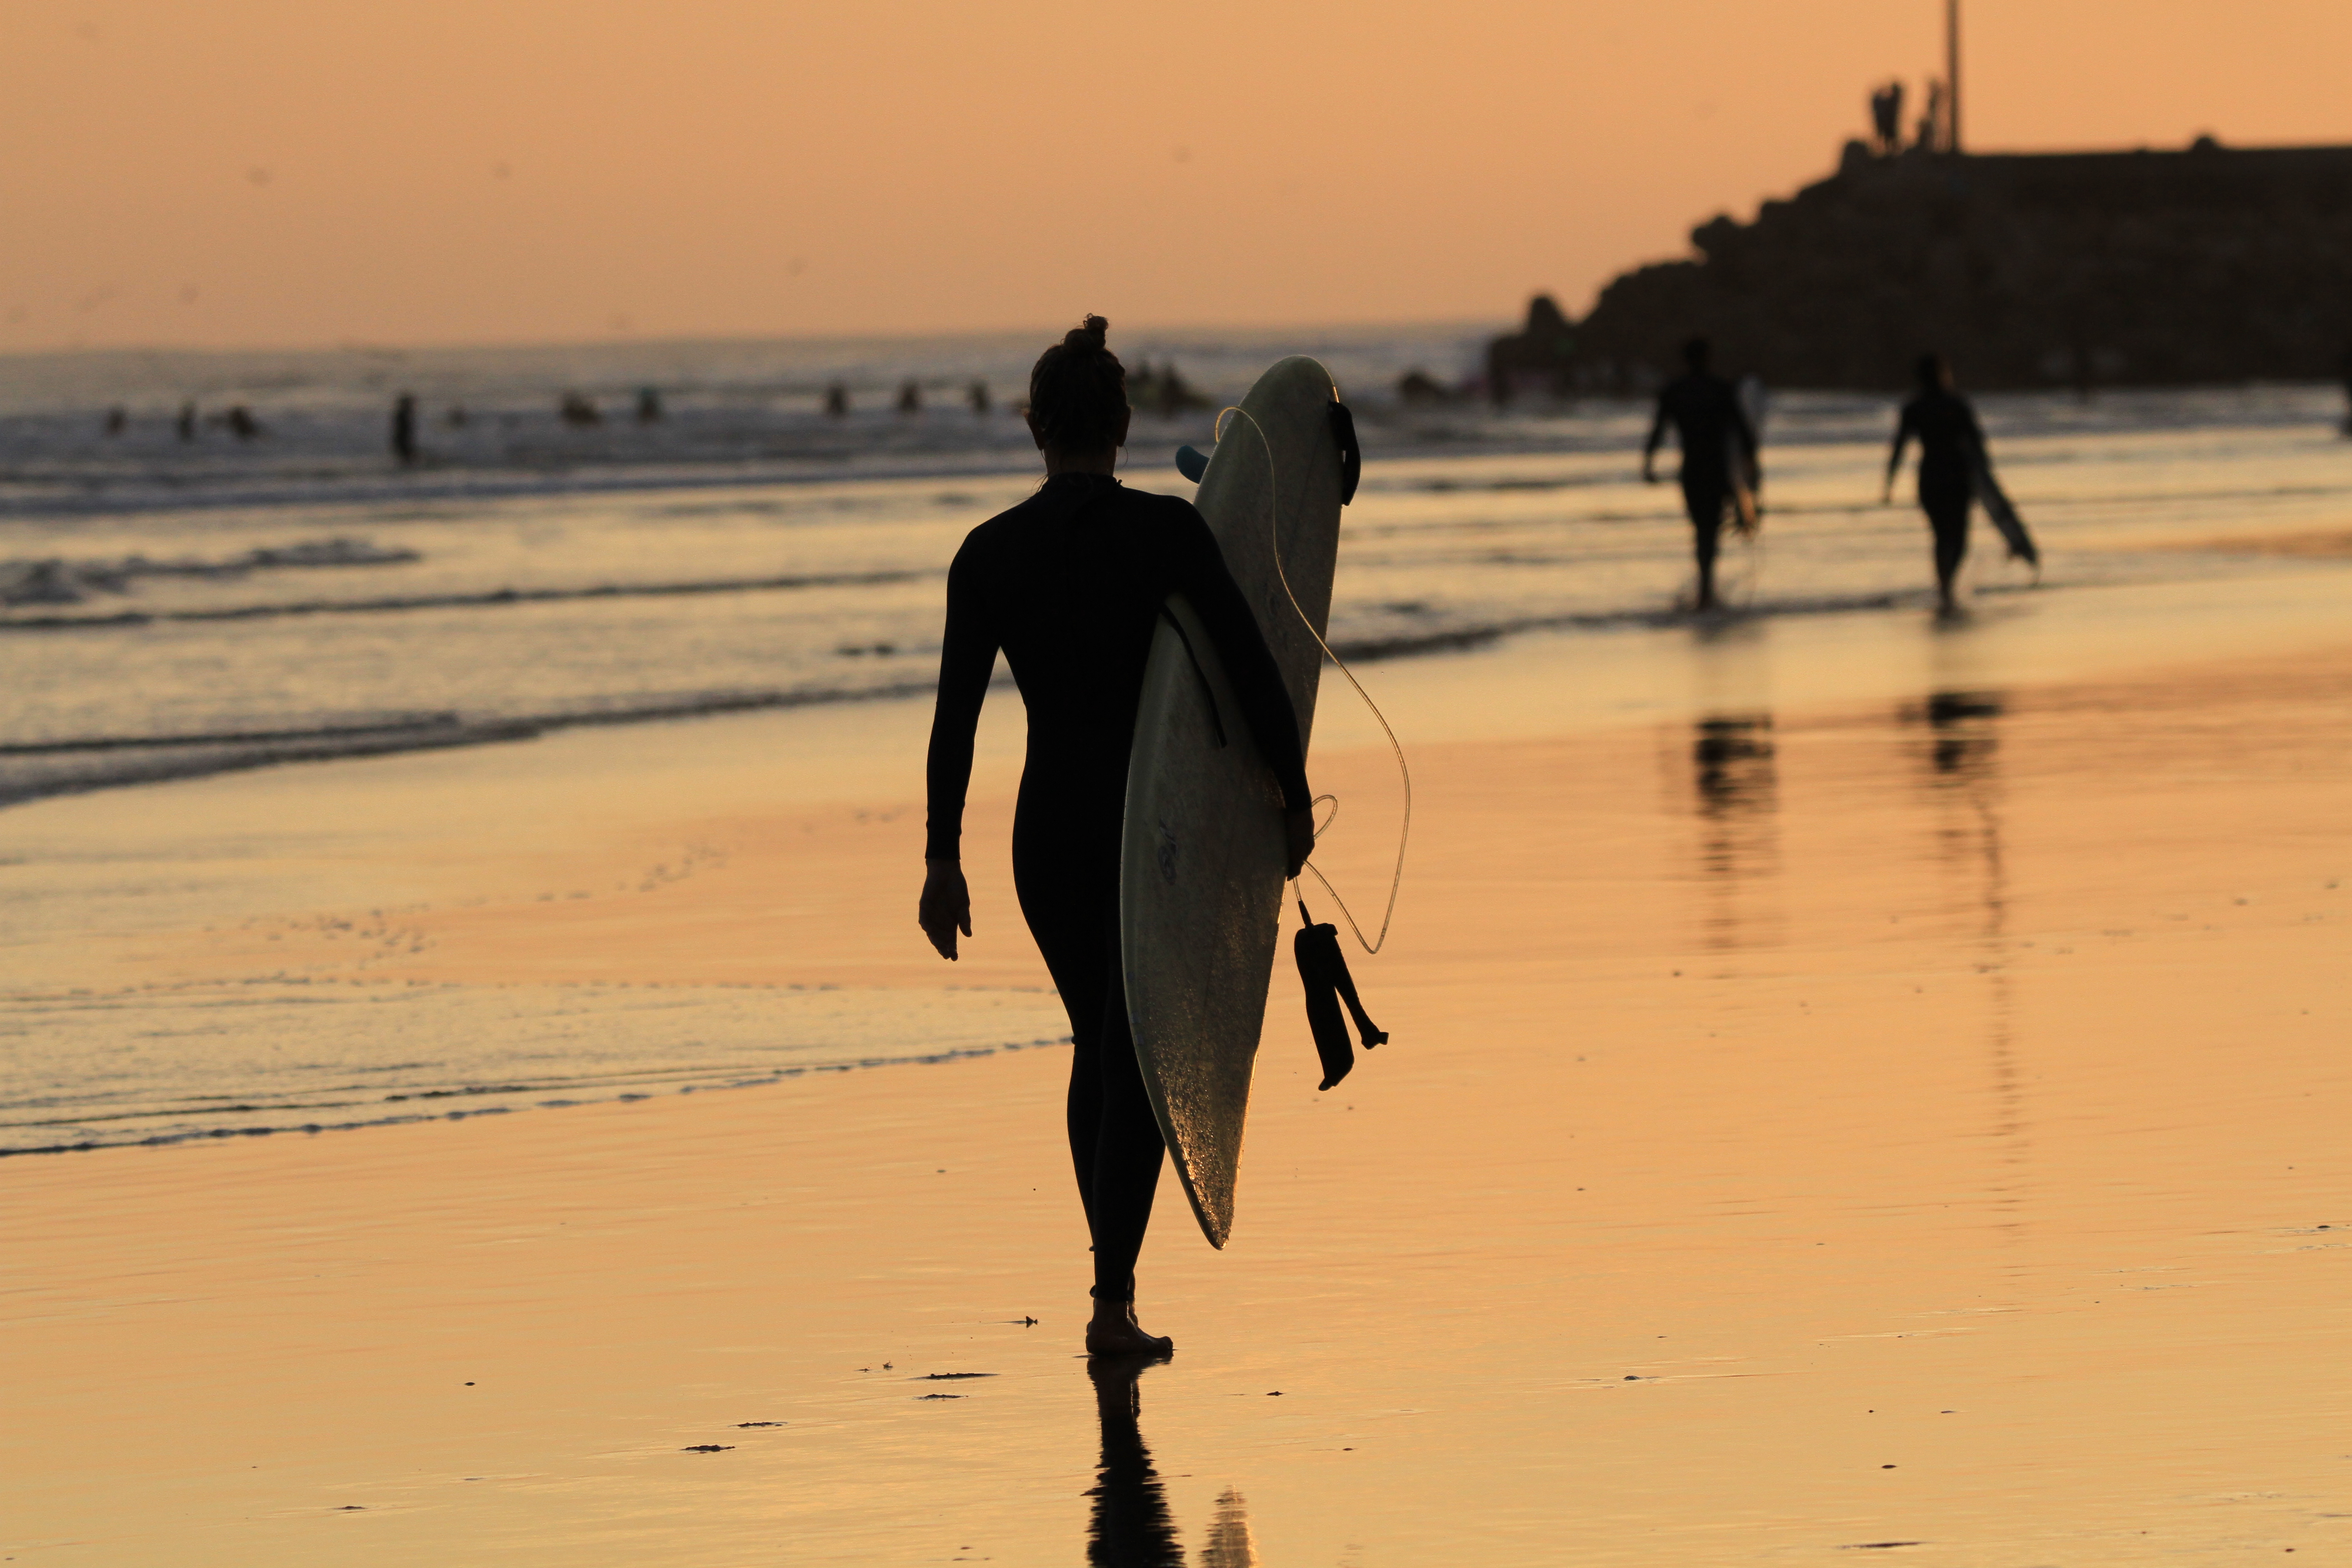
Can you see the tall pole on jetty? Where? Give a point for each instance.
(1952, 72)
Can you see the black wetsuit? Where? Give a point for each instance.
(1945, 426)
(1069, 585)
(1705, 411)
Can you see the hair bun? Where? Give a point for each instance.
(1077, 393)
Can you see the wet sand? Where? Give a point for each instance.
(1892, 1104)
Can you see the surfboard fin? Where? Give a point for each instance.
(1323, 975)
(1192, 462)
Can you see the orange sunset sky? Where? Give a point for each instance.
(249, 172)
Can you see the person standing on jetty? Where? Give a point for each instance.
(1069, 585)
(1705, 411)
(1951, 445)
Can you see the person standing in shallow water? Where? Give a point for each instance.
(1950, 446)
(403, 428)
(1069, 586)
(1704, 408)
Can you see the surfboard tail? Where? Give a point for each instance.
(2002, 513)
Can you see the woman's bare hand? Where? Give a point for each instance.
(946, 907)
(1298, 828)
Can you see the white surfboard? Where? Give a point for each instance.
(1201, 863)
(1746, 506)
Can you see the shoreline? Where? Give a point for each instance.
(318, 1129)
(2219, 603)
(476, 872)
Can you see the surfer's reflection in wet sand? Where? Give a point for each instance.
(1736, 776)
(1130, 1526)
(1962, 750)
(1963, 778)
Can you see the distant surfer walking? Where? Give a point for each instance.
(1715, 434)
(1951, 448)
(1069, 586)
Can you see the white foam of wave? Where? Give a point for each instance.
(482, 620)
(175, 1064)
(57, 580)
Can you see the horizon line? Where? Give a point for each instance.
(455, 345)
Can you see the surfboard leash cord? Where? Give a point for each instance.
(1404, 828)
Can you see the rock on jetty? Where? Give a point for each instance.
(2211, 265)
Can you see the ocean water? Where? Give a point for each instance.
(174, 608)
(169, 608)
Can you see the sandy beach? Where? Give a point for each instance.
(1846, 514)
(1846, 1091)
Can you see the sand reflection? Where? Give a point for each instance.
(1229, 1544)
(1963, 743)
(1130, 1525)
(1738, 799)
(1963, 780)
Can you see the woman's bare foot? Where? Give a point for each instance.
(1115, 1332)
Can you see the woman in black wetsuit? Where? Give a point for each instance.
(1069, 586)
(1950, 444)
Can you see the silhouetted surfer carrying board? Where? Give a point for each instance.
(1954, 469)
(1720, 465)
(1070, 585)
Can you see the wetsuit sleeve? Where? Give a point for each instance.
(1200, 575)
(1658, 423)
(1904, 429)
(967, 660)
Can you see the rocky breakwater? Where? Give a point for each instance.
(2210, 265)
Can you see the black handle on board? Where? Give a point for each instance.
(1352, 456)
